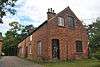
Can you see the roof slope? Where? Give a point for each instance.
(66, 9)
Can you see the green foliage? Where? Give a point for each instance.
(27, 30)
(15, 26)
(97, 55)
(77, 63)
(94, 36)
(13, 36)
(5, 6)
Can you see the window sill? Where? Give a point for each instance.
(79, 52)
(30, 53)
(62, 26)
(72, 28)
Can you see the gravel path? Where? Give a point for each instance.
(13, 61)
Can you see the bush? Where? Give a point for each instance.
(97, 56)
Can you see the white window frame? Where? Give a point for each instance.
(31, 38)
(22, 50)
(61, 21)
(39, 48)
(30, 49)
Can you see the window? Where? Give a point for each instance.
(22, 50)
(31, 38)
(39, 48)
(71, 22)
(60, 21)
(55, 48)
(30, 49)
(79, 46)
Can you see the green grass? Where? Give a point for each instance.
(81, 63)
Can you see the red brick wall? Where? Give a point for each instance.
(22, 50)
(40, 35)
(0, 46)
(66, 35)
(28, 42)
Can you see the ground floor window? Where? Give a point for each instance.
(39, 48)
(79, 47)
(22, 50)
(30, 49)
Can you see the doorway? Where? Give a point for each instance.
(26, 52)
(55, 49)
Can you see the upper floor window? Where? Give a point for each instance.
(79, 47)
(71, 22)
(60, 21)
(31, 38)
(39, 48)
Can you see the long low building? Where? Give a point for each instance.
(62, 36)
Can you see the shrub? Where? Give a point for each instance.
(97, 55)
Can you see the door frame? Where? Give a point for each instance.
(58, 48)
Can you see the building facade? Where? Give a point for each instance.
(62, 36)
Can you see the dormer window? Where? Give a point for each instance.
(60, 21)
(71, 21)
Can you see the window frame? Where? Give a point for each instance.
(39, 48)
(79, 46)
(71, 21)
(30, 49)
(22, 50)
(61, 21)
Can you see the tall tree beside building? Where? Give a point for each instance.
(14, 35)
(11, 39)
(27, 30)
(94, 35)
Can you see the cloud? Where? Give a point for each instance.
(34, 11)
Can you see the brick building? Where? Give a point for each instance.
(0, 43)
(62, 36)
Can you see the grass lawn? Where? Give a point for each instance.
(80, 63)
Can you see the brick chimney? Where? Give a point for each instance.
(50, 13)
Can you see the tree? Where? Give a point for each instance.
(11, 39)
(94, 36)
(15, 27)
(27, 30)
(5, 6)
(14, 35)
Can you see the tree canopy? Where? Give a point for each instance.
(94, 35)
(14, 35)
(5, 6)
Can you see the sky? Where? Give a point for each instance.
(34, 11)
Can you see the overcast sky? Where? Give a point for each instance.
(34, 11)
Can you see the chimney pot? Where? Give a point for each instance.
(50, 13)
(48, 10)
(51, 9)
